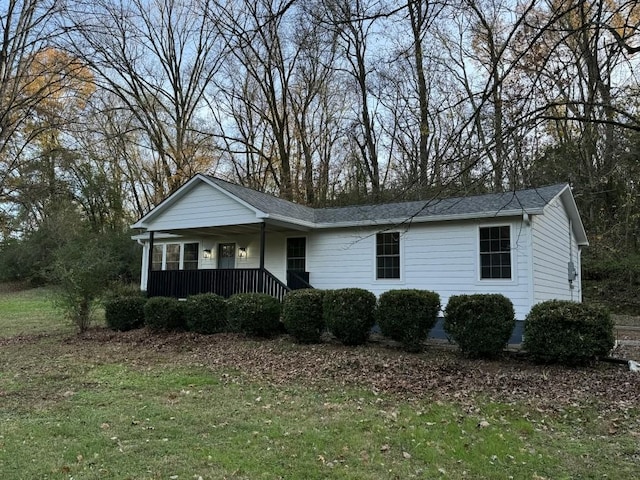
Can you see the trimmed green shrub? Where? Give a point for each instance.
(256, 314)
(569, 333)
(125, 313)
(206, 313)
(480, 324)
(164, 313)
(349, 314)
(407, 316)
(302, 315)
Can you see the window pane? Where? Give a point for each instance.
(190, 256)
(156, 261)
(295, 264)
(486, 271)
(190, 252)
(228, 250)
(173, 256)
(388, 255)
(495, 252)
(296, 254)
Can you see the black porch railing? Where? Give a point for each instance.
(224, 282)
(298, 279)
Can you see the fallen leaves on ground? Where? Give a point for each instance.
(439, 372)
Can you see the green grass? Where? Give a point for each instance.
(32, 312)
(28, 312)
(74, 408)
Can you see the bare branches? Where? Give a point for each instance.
(158, 58)
(25, 31)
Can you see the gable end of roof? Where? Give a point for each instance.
(182, 192)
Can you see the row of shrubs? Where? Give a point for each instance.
(208, 313)
(555, 331)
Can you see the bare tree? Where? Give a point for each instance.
(422, 15)
(260, 65)
(26, 30)
(354, 23)
(584, 72)
(158, 58)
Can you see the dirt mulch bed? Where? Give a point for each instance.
(438, 373)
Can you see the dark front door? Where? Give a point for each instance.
(297, 276)
(296, 254)
(227, 255)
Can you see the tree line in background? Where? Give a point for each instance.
(107, 106)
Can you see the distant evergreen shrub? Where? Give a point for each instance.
(480, 324)
(302, 315)
(568, 333)
(349, 314)
(407, 316)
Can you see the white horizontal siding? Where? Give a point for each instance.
(440, 257)
(203, 206)
(275, 260)
(551, 255)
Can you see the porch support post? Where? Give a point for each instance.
(262, 242)
(149, 260)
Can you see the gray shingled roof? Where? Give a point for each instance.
(266, 203)
(478, 205)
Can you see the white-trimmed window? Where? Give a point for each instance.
(190, 256)
(296, 254)
(172, 256)
(175, 256)
(388, 255)
(495, 252)
(157, 258)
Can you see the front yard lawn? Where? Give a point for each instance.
(184, 406)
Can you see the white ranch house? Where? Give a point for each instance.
(215, 236)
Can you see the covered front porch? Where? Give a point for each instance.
(262, 257)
